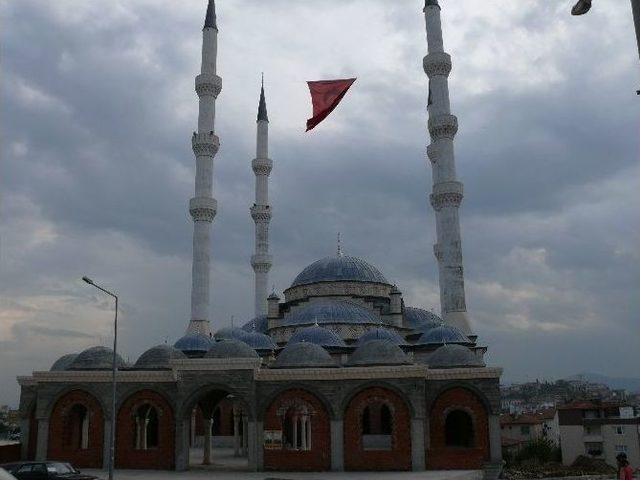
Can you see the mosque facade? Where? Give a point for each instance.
(338, 374)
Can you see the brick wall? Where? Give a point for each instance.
(443, 457)
(160, 457)
(316, 459)
(399, 457)
(59, 434)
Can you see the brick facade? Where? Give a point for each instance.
(398, 457)
(159, 457)
(62, 437)
(441, 456)
(318, 458)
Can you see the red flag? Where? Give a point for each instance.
(325, 96)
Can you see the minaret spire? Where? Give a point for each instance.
(203, 206)
(447, 191)
(261, 261)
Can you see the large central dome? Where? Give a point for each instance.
(341, 268)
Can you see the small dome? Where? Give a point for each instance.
(341, 268)
(420, 319)
(452, 355)
(442, 335)
(330, 311)
(230, 349)
(96, 358)
(318, 335)
(193, 343)
(259, 341)
(158, 357)
(304, 355)
(230, 333)
(380, 333)
(378, 352)
(63, 362)
(258, 324)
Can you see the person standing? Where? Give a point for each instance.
(625, 472)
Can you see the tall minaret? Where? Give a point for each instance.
(447, 190)
(205, 143)
(261, 211)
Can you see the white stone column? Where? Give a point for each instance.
(182, 443)
(84, 441)
(208, 423)
(203, 206)
(495, 438)
(417, 444)
(337, 445)
(245, 442)
(261, 261)
(236, 435)
(145, 430)
(43, 438)
(447, 192)
(252, 445)
(303, 432)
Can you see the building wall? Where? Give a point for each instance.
(398, 457)
(572, 442)
(629, 438)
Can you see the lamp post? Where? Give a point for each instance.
(583, 6)
(112, 434)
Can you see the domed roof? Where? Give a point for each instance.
(339, 268)
(257, 324)
(193, 342)
(443, 334)
(380, 333)
(452, 355)
(230, 333)
(258, 340)
(229, 348)
(304, 355)
(318, 335)
(330, 311)
(420, 319)
(63, 362)
(378, 352)
(96, 358)
(158, 357)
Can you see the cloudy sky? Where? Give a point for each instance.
(97, 113)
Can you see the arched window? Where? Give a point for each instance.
(385, 420)
(458, 429)
(78, 428)
(377, 422)
(146, 425)
(296, 428)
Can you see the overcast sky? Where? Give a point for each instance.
(97, 112)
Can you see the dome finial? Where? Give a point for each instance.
(339, 246)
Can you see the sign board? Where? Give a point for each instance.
(273, 439)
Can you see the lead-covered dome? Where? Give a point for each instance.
(340, 268)
(318, 335)
(442, 335)
(330, 311)
(454, 356)
(380, 333)
(378, 352)
(229, 333)
(63, 362)
(258, 340)
(230, 348)
(96, 358)
(304, 355)
(258, 324)
(420, 319)
(158, 357)
(193, 344)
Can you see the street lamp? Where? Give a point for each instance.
(113, 377)
(583, 6)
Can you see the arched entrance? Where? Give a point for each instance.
(296, 433)
(217, 424)
(145, 432)
(377, 431)
(459, 431)
(76, 430)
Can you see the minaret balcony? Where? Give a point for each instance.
(446, 194)
(437, 63)
(205, 144)
(261, 263)
(260, 213)
(208, 85)
(262, 166)
(203, 209)
(443, 126)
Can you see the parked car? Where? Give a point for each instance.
(5, 475)
(48, 471)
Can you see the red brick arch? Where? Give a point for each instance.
(60, 431)
(399, 456)
(316, 459)
(161, 457)
(439, 455)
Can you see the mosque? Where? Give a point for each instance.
(339, 374)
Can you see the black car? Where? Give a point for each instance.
(47, 471)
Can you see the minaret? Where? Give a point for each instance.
(447, 191)
(261, 211)
(205, 143)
